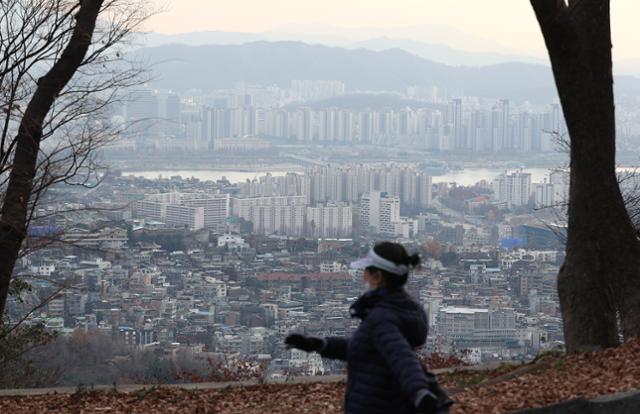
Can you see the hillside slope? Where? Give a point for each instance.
(205, 68)
(548, 380)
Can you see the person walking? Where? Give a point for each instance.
(384, 374)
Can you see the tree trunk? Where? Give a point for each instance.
(13, 215)
(601, 273)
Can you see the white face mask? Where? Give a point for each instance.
(372, 280)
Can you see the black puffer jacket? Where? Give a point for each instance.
(383, 373)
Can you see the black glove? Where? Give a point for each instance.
(428, 404)
(304, 343)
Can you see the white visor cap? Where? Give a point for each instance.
(372, 259)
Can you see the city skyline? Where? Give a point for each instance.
(194, 207)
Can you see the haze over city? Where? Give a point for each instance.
(503, 26)
(249, 190)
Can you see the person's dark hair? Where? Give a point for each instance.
(396, 253)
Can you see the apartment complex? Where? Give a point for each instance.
(194, 210)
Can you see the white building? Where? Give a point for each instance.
(487, 329)
(44, 269)
(181, 215)
(195, 210)
(545, 195)
(331, 267)
(348, 183)
(150, 209)
(290, 184)
(216, 206)
(309, 362)
(282, 215)
(405, 227)
(513, 189)
(232, 242)
(329, 221)
(379, 211)
(560, 181)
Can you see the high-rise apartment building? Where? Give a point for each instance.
(379, 212)
(513, 189)
(290, 184)
(545, 195)
(181, 215)
(329, 221)
(282, 215)
(215, 207)
(465, 124)
(195, 210)
(142, 111)
(347, 183)
(456, 122)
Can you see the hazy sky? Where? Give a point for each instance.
(508, 22)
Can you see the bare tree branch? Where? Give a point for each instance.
(61, 70)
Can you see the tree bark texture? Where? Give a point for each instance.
(599, 280)
(13, 215)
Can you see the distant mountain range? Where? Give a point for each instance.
(438, 43)
(181, 67)
(433, 50)
(445, 54)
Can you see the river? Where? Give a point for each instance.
(468, 176)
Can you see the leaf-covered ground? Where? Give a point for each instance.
(280, 398)
(554, 379)
(548, 380)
